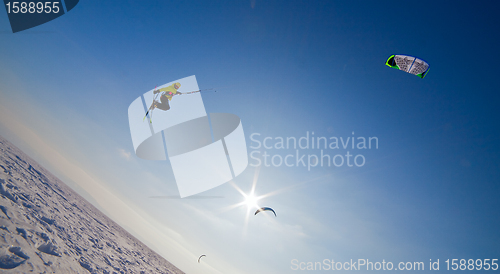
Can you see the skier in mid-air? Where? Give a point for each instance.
(166, 96)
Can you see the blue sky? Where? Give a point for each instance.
(430, 191)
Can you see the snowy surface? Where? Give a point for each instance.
(45, 227)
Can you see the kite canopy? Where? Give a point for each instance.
(265, 209)
(408, 64)
(200, 257)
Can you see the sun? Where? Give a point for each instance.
(251, 201)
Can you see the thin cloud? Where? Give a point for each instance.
(125, 154)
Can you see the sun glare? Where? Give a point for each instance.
(251, 201)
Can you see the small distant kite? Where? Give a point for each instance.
(200, 257)
(265, 209)
(408, 64)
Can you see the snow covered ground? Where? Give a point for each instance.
(45, 227)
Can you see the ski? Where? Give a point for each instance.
(151, 108)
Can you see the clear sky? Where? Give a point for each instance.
(287, 69)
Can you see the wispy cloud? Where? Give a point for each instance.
(124, 154)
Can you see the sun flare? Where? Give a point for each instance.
(251, 201)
